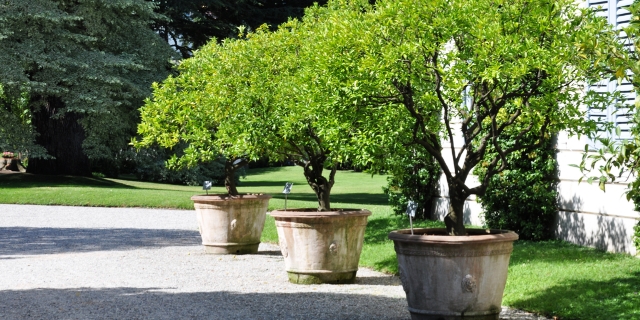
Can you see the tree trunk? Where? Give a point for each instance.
(454, 220)
(230, 167)
(319, 184)
(230, 179)
(62, 137)
(322, 189)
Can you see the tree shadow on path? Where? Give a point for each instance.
(32, 241)
(157, 303)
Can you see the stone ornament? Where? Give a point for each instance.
(469, 283)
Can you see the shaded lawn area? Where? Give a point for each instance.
(552, 278)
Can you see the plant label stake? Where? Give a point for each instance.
(206, 186)
(411, 212)
(286, 191)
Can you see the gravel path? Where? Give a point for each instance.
(116, 263)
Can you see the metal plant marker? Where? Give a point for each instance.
(206, 186)
(411, 212)
(286, 191)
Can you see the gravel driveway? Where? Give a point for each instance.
(61, 262)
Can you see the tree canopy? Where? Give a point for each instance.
(358, 82)
(79, 70)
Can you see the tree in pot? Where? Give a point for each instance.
(184, 110)
(320, 245)
(453, 78)
(269, 110)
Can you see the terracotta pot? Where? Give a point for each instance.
(321, 247)
(231, 224)
(453, 277)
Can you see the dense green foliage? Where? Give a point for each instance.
(410, 179)
(83, 68)
(523, 198)
(16, 133)
(193, 23)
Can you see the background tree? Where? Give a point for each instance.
(83, 67)
(192, 23)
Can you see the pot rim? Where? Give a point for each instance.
(225, 197)
(309, 212)
(474, 235)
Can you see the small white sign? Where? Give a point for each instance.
(206, 185)
(287, 188)
(411, 208)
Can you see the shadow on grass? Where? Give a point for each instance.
(26, 180)
(617, 298)
(555, 251)
(31, 241)
(363, 199)
(378, 229)
(388, 264)
(261, 183)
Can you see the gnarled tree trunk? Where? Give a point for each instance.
(62, 136)
(319, 184)
(230, 167)
(454, 220)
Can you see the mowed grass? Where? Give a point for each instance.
(556, 278)
(552, 278)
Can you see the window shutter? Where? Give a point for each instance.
(616, 15)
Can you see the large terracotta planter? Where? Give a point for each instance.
(321, 247)
(231, 224)
(453, 277)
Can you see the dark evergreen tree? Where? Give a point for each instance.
(80, 69)
(192, 23)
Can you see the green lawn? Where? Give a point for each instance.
(553, 278)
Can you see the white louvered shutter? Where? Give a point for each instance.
(616, 15)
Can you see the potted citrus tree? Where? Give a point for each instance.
(183, 110)
(454, 78)
(286, 116)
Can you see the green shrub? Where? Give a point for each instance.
(523, 197)
(412, 179)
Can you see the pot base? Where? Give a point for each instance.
(319, 278)
(231, 249)
(421, 316)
